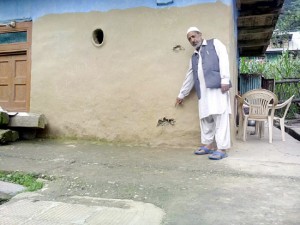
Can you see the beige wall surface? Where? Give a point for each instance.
(119, 91)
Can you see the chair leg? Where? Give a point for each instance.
(270, 130)
(282, 128)
(260, 129)
(262, 124)
(245, 129)
(256, 128)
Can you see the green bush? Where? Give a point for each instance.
(27, 180)
(281, 67)
(278, 68)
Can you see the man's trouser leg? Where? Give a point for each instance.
(207, 126)
(222, 131)
(216, 127)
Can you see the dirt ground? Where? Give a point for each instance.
(259, 183)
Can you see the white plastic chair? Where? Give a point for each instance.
(261, 103)
(287, 105)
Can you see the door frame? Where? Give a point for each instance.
(17, 48)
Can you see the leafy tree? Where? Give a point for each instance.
(288, 21)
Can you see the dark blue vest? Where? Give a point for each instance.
(210, 66)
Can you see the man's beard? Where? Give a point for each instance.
(198, 45)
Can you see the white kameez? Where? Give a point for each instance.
(212, 101)
(214, 106)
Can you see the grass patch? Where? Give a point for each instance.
(27, 180)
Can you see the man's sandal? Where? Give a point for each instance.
(217, 155)
(203, 151)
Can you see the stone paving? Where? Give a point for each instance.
(29, 211)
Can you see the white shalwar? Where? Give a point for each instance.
(214, 106)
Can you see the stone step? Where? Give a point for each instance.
(27, 120)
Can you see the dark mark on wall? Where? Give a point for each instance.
(164, 2)
(164, 122)
(178, 48)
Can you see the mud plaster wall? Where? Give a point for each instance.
(117, 92)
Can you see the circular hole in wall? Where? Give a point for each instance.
(98, 37)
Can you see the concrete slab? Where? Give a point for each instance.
(27, 120)
(27, 209)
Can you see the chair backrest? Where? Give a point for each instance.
(285, 104)
(259, 102)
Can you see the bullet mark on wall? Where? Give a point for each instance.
(165, 122)
(178, 48)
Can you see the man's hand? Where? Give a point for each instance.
(178, 101)
(224, 88)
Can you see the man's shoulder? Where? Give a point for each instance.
(213, 41)
(216, 42)
(210, 42)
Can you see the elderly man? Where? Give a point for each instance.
(209, 74)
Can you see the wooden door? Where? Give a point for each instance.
(15, 66)
(13, 82)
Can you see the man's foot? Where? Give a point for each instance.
(217, 155)
(203, 150)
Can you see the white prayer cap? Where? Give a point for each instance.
(192, 29)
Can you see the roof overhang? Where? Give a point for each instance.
(256, 22)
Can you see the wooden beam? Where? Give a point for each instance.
(267, 2)
(253, 43)
(260, 7)
(254, 30)
(257, 20)
(238, 4)
(251, 53)
(254, 36)
(254, 1)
